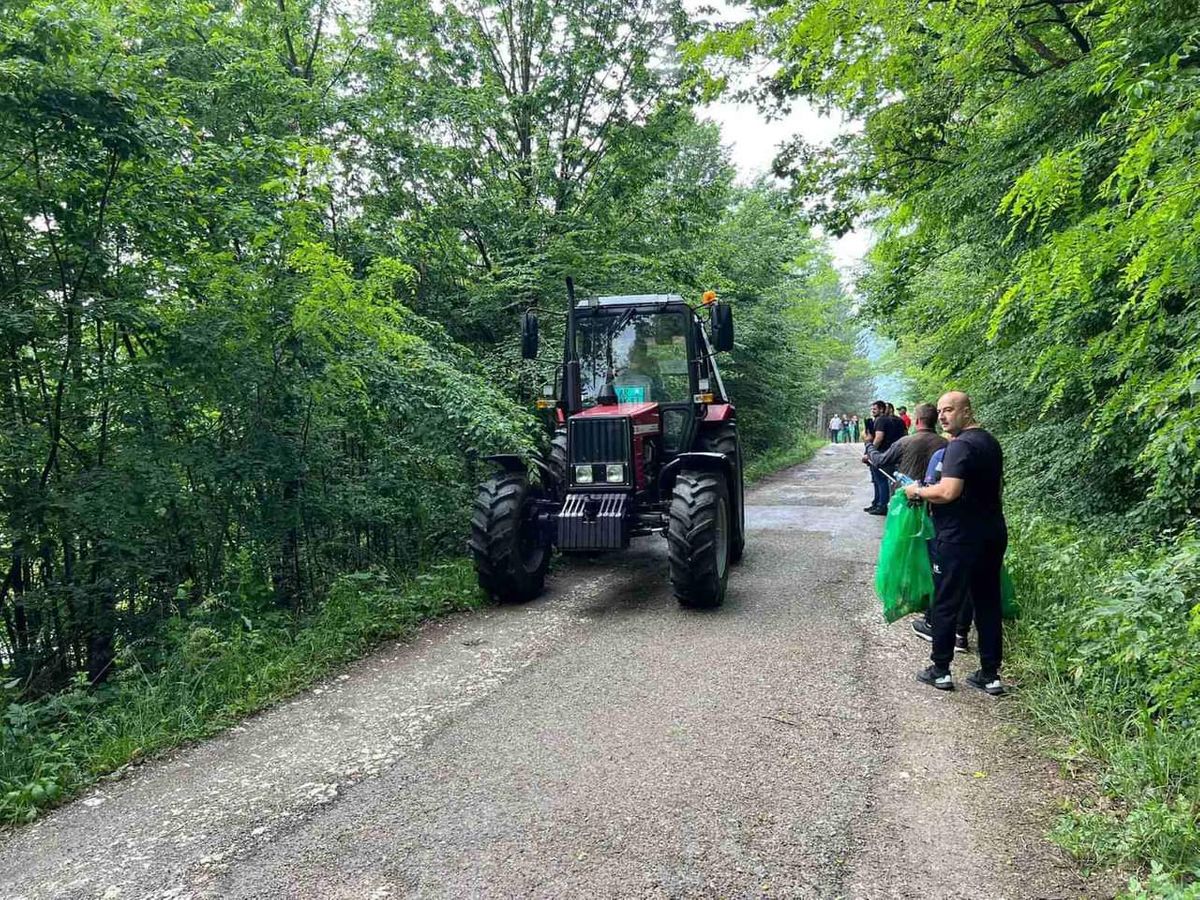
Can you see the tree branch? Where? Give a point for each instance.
(312, 52)
(1055, 61)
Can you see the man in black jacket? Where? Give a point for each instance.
(970, 537)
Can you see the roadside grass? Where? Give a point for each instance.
(1107, 655)
(223, 663)
(759, 467)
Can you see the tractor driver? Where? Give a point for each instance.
(643, 370)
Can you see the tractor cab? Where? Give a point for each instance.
(645, 442)
(649, 349)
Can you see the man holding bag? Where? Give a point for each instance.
(970, 538)
(910, 455)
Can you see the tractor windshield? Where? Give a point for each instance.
(644, 353)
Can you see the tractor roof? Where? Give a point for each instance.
(630, 300)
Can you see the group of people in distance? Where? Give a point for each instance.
(960, 474)
(844, 429)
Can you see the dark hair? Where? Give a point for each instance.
(925, 414)
(879, 403)
(891, 410)
(903, 409)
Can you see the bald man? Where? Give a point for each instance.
(970, 537)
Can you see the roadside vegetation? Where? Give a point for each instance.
(231, 657)
(1029, 167)
(773, 461)
(261, 266)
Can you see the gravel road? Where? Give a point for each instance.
(602, 742)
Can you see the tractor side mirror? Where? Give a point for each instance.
(529, 335)
(722, 327)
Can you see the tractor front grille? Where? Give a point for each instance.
(599, 440)
(594, 522)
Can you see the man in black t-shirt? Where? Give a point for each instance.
(970, 537)
(887, 430)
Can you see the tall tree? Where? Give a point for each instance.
(523, 117)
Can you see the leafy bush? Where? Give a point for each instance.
(1107, 654)
(764, 464)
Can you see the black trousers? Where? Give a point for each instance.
(966, 612)
(961, 572)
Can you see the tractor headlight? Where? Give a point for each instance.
(583, 474)
(614, 474)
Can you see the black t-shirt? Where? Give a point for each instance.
(978, 514)
(893, 429)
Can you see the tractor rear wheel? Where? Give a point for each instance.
(511, 558)
(724, 439)
(699, 538)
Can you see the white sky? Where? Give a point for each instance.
(753, 141)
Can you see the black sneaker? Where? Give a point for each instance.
(877, 511)
(989, 684)
(921, 627)
(961, 645)
(938, 678)
(870, 508)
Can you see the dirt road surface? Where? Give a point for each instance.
(602, 742)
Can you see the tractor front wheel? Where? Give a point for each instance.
(511, 557)
(558, 463)
(699, 538)
(724, 439)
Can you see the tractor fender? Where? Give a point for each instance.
(713, 462)
(544, 470)
(717, 412)
(509, 462)
(513, 462)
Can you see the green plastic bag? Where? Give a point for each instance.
(1009, 608)
(904, 575)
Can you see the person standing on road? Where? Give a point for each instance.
(845, 428)
(922, 625)
(970, 538)
(903, 416)
(854, 429)
(888, 430)
(910, 455)
(835, 425)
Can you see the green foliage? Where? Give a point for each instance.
(1031, 170)
(1106, 656)
(197, 370)
(760, 466)
(1161, 886)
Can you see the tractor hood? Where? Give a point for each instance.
(646, 417)
(634, 410)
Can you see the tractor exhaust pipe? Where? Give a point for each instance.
(572, 396)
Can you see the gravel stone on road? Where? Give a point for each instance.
(603, 742)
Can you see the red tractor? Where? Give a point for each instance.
(646, 442)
